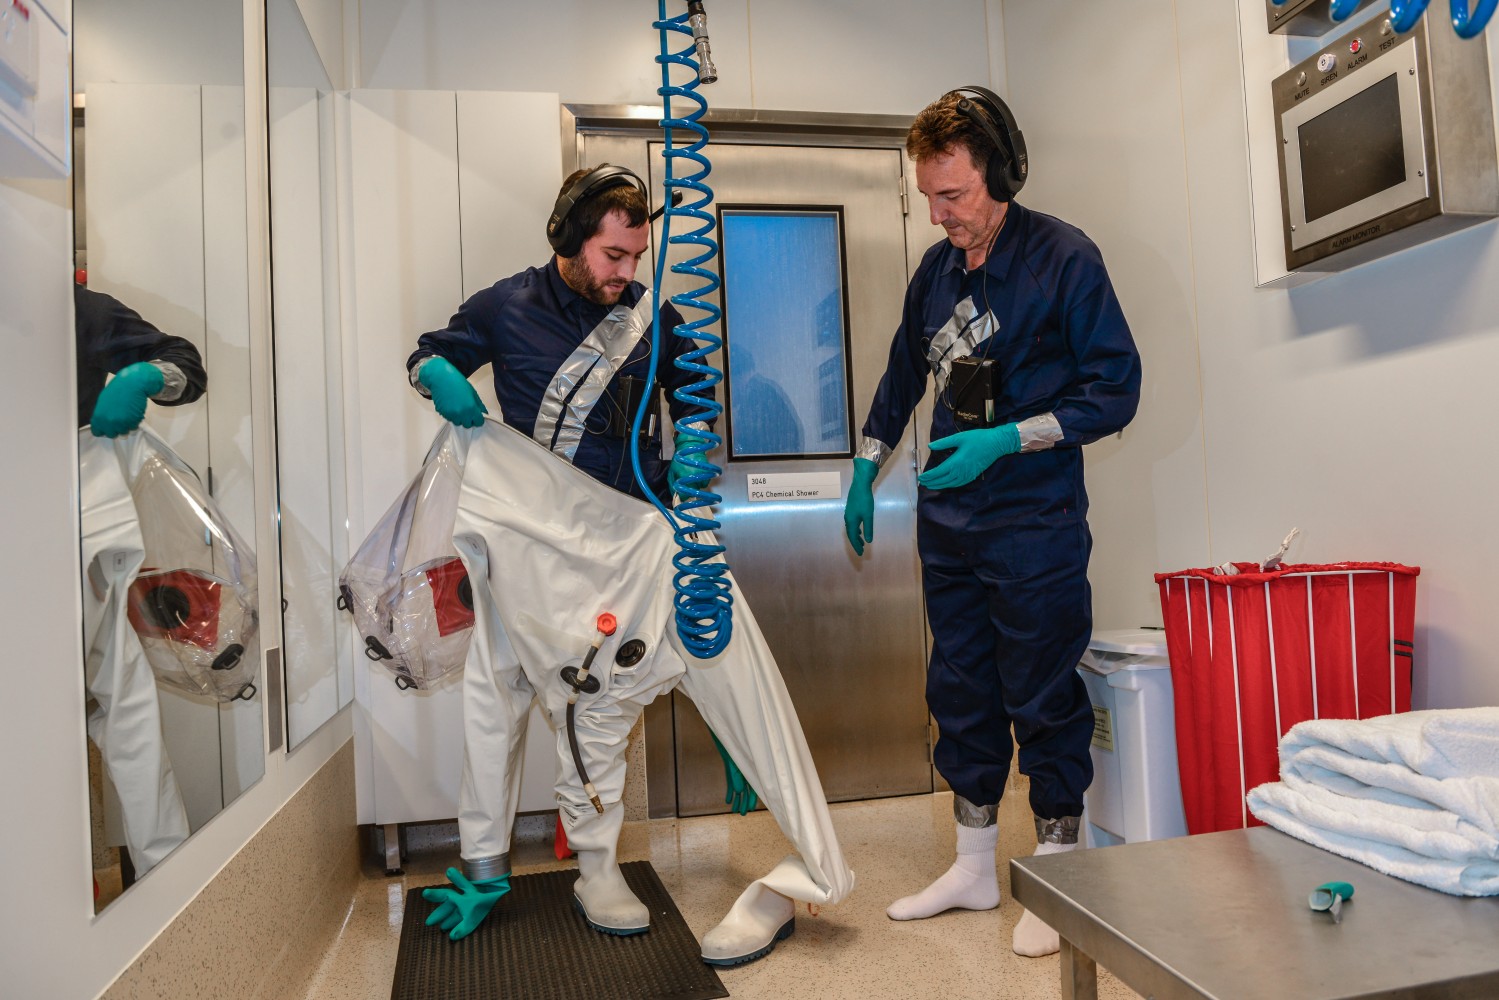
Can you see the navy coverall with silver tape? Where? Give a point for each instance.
(1005, 558)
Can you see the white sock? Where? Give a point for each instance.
(1034, 937)
(970, 884)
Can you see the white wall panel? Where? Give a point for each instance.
(833, 55)
(1354, 407)
(854, 56)
(1107, 155)
(597, 53)
(157, 41)
(509, 170)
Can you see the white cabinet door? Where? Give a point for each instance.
(417, 252)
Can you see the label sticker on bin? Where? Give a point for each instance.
(1103, 728)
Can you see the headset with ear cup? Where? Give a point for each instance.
(1005, 172)
(562, 233)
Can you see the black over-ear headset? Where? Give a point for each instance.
(562, 233)
(1005, 172)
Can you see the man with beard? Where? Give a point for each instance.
(570, 347)
(569, 342)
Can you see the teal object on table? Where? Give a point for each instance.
(1328, 898)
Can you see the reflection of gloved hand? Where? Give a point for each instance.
(972, 452)
(122, 403)
(858, 509)
(452, 394)
(463, 909)
(741, 798)
(679, 469)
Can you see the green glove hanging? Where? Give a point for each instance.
(454, 397)
(122, 403)
(972, 452)
(858, 508)
(740, 798)
(679, 470)
(462, 910)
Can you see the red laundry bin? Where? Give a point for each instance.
(1254, 653)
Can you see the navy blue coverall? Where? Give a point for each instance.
(539, 334)
(1005, 558)
(111, 336)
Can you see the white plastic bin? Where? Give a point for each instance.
(1136, 791)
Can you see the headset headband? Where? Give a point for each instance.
(597, 180)
(993, 116)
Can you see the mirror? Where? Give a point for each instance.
(318, 651)
(170, 604)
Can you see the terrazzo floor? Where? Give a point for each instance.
(895, 846)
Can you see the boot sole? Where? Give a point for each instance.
(787, 929)
(616, 931)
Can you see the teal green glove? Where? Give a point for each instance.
(452, 394)
(740, 798)
(858, 509)
(679, 469)
(122, 403)
(972, 452)
(463, 909)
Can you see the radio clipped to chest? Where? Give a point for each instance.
(626, 402)
(972, 386)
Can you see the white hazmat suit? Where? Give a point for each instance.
(548, 549)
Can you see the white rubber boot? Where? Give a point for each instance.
(600, 892)
(970, 884)
(1033, 937)
(759, 918)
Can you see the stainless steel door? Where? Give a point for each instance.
(848, 634)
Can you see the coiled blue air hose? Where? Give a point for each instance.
(1405, 13)
(704, 597)
(1467, 22)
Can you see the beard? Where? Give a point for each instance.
(581, 279)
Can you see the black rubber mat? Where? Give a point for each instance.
(534, 945)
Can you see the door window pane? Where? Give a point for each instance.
(785, 324)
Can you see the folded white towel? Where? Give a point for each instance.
(1414, 795)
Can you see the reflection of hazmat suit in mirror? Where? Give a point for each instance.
(122, 361)
(157, 601)
(549, 546)
(169, 596)
(126, 724)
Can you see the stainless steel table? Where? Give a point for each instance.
(1225, 915)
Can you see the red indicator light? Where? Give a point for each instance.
(1356, 46)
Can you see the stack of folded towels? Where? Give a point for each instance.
(1415, 796)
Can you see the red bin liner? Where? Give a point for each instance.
(1254, 653)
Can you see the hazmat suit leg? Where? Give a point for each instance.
(496, 706)
(126, 725)
(548, 549)
(741, 696)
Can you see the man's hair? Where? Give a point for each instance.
(588, 215)
(942, 128)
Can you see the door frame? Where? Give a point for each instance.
(745, 127)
